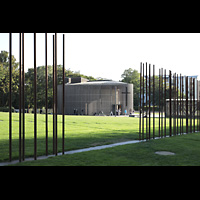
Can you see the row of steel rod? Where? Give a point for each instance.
(181, 93)
(22, 97)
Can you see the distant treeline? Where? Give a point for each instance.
(129, 76)
(29, 83)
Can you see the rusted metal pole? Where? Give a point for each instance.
(194, 105)
(183, 104)
(23, 101)
(173, 87)
(165, 104)
(174, 128)
(190, 104)
(146, 103)
(159, 104)
(161, 92)
(197, 105)
(180, 116)
(143, 107)
(149, 101)
(153, 101)
(170, 103)
(10, 96)
(46, 94)
(173, 110)
(56, 97)
(53, 94)
(63, 120)
(177, 104)
(35, 100)
(186, 103)
(20, 93)
(140, 101)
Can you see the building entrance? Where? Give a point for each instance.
(117, 109)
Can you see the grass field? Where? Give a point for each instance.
(80, 132)
(185, 147)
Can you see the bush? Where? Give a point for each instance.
(6, 109)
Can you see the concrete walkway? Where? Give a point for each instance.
(74, 151)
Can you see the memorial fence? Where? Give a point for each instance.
(22, 97)
(178, 101)
(178, 104)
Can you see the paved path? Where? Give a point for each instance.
(74, 151)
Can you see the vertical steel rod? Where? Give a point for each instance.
(20, 92)
(173, 104)
(146, 103)
(186, 103)
(174, 129)
(143, 107)
(63, 136)
(183, 103)
(197, 105)
(180, 116)
(23, 101)
(149, 101)
(53, 94)
(35, 100)
(10, 96)
(170, 103)
(46, 94)
(165, 104)
(190, 104)
(159, 103)
(56, 94)
(140, 101)
(153, 101)
(194, 105)
(172, 108)
(177, 104)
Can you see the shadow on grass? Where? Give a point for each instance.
(97, 137)
(72, 142)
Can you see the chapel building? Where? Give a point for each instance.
(102, 97)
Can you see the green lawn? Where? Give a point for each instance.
(82, 132)
(185, 147)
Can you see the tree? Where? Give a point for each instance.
(29, 83)
(133, 76)
(4, 80)
(41, 84)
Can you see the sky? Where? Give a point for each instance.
(107, 55)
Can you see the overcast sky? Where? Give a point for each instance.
(107, 55)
